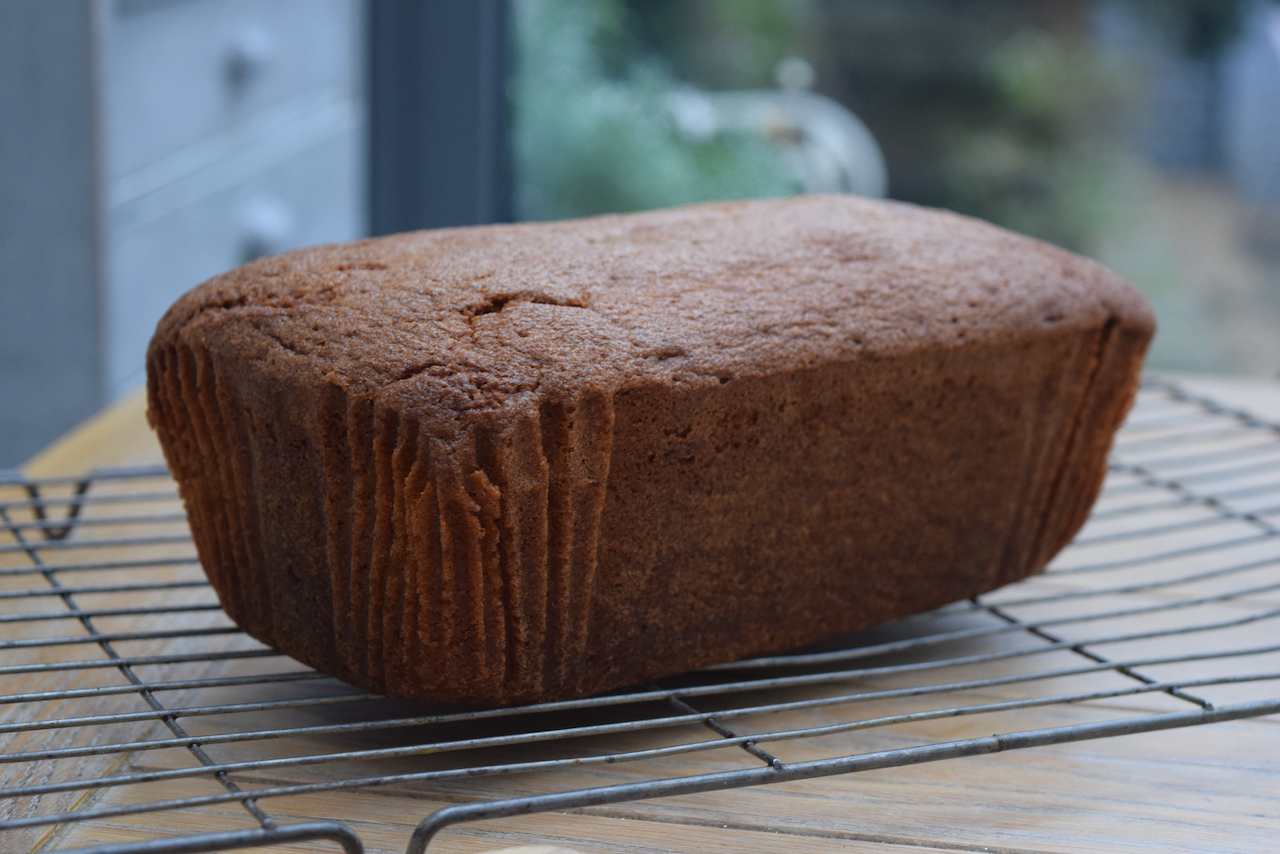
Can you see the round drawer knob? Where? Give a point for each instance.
(266, 226)
(250, 52)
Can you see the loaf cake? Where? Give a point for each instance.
(517, 463)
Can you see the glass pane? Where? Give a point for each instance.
(1144, 133)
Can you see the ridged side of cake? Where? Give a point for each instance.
(400, 563)
(513, 565)
(844, 496)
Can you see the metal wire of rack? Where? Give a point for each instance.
(125, 692)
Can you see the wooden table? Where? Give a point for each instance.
(1209, 788)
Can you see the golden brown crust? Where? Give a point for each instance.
(523, 462)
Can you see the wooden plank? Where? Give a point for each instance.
(119, 435)
(1156, 792)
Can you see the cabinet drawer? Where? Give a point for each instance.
(179, 72)
(315, 197)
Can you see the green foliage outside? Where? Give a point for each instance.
(1049, 159)
(593, 129)
(1007, 111)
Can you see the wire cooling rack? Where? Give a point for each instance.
(132, 712)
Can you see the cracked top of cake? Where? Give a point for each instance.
(499, 318)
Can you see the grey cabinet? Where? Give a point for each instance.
(158, 142)
(231, 129)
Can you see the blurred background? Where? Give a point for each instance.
(146, 145)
